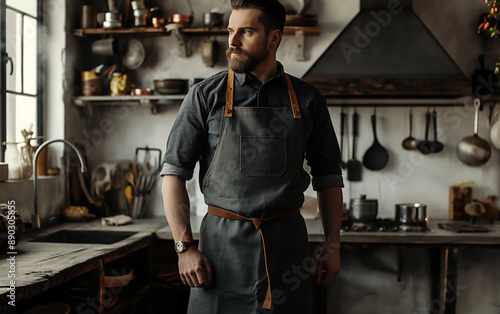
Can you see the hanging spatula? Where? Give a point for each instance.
(353, 165)
(342, 124)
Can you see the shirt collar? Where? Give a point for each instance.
(247, 77)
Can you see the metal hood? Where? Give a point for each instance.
(386, 50)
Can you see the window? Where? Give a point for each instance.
(20, 70)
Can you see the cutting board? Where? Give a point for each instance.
(462, 227)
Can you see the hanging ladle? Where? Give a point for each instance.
(437, 146)
(425, 146)
(410, 143)
(376, 157)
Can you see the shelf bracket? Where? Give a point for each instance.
(89, 110)
(300, 37)
(152, 105)
(181, 38)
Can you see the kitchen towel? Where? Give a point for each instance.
(117, 220)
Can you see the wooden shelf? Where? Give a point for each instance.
(120, 31)
(289, 30)
(79, 100)
(300, 32)
(393, 88)
(150, 101)
(491, 99)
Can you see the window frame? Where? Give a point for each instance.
(3, 74)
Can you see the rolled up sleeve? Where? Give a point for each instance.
(183, 173)
(187, 137)
(322, 149)
(332, 180)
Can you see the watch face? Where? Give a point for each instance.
(179, 247)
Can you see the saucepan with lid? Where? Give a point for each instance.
(411, 215)
(363, 209)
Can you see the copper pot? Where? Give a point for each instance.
(141, 91)
(182, 19)
(158, 21)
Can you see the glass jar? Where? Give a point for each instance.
(12, 158)
(118, 84)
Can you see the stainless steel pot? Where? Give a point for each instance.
(213, 19)
(411, 214)
(362, 209)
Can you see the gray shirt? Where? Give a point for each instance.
(195, 132)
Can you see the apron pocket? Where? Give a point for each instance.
(263, 156)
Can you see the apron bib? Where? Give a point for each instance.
(257, 172)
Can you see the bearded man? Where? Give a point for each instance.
(250, 128)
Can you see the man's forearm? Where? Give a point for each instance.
(330, 205)
(176, 207)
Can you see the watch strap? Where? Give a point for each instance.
(185, 245)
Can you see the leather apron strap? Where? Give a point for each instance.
(228, 112)
(259, 224)
(229, 95)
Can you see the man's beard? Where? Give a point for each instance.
(245, 62)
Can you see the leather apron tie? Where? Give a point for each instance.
(259, 224)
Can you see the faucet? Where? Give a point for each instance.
(35, 218)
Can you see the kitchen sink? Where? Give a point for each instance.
(84, 236)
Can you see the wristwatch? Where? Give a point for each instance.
(181, 246)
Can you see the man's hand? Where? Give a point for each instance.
(328, 266)
(330, 209)
(194, 268)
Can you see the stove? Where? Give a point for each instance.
(381, 225)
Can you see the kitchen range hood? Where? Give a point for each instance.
(387, 51)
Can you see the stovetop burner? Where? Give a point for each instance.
(379, 225)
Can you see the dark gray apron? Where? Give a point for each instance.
(257, 172)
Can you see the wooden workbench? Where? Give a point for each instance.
(439, 241)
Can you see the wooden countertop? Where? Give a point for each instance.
(40, 265)
(435, 236)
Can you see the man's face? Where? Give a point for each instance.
(248, 43)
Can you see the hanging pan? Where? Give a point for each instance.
(473, 150)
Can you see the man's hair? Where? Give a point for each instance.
(272, 13)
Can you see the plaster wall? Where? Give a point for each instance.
(114, 132)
